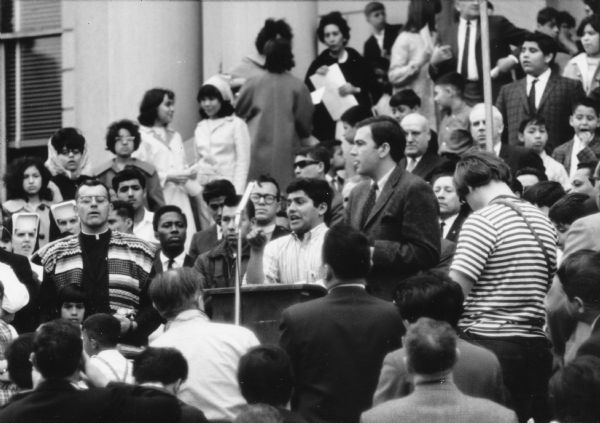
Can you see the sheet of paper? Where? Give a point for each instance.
(317, 95)
(331, 82)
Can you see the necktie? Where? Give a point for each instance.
(531, 98)
(170, 264)
(442, 224)
(369, 204)
(411, 164)
(464, 65)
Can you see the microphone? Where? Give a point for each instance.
(243, 202)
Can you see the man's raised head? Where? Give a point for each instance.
(176, 290)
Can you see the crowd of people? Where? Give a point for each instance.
(456, 283)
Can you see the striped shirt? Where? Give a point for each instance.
(290, 259)
(497, 251)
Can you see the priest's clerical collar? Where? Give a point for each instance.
(97, 236)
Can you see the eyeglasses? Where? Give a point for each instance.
(66, 151)
(303, 163)
(125, 139)
(87, 199)
(267, 198)
(216, 206)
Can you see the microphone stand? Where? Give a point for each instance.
(238, 261)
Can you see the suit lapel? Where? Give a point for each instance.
(386, 194)
(522, 92)
(568, 153)
(188, 261)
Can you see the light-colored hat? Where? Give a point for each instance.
(25, 221)
(222, 85)
(15, 293)
(63, 210)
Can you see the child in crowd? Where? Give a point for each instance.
(585, 144)
(72, 306)
(405, 102)
(585, 66)
(448, 91)
(533, 135)
(100, 337)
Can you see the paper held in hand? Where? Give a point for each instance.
(331, 82)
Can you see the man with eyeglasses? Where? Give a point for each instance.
(130, 186)
(314, 162)
(214, 194)
(111, 268)
(265, 197)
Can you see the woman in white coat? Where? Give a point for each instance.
(222, 139)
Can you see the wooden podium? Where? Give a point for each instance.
(262, 306)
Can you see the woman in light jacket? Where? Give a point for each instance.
(222, 139)
(585, 66)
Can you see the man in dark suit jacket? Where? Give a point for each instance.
(395, 209)
(431, 355)
(170, 225)
(336, 343)
(447, 57)
(57, 349)
(417, 159)
(552, 96)
(378, 46)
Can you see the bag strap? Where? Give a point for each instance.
(518, 210)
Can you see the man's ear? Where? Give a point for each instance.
(322, 209)
(384, 150)
(129, 223)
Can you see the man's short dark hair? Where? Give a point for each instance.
(128, 174)
(123, 209)
(575, 389)
(430, 294)
(385, 129)
(104, 328)
(347, 252)
(265, 178)
(92, 182)
(547, 14)
(430, 346)
(169, 208)
(265, 376)
(18, 364)
(405, 97)
(569, 208)
(317, 153)
(565, 18)
(544, 193)
(477, 169)
(373, 6)
(453, 79)
(586, 102)
(164, 365)
(545, 43)
(173, 290)
(57, 348)
(218, 188)
(317, 190)
(578, 274)
(531, 120)
(355, 114)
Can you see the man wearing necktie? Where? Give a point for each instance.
(395, 209)
(170, 227)
(459, 50)
(542, 92)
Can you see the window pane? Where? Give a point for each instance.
(39, 14)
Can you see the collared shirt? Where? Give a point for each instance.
(473, 74)
(289, 259)
(113, 366)
(555, 171)
(268, 231)
(578, 145)
(497, 146)
(412, 163)
(177, 261)
(379, 38)
(212, 351)
(143, 229)
(448, 224)
(381, 182)
(540, 85)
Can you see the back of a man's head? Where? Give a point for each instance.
(430, 294)
(347, 252)
(162, 365)
(578, 274)
(259, 413)
(18, 361)
(430, 347)
(104, 328)
(477, 169)
(265, 376)
(175, 291)
(57, 348)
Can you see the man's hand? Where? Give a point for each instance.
(440, 54)
(348, 89)
(322, 70)
(505, 64)
(257, 239)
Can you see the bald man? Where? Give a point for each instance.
(417, 160)
(515, 157)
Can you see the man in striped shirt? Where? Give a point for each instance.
(294, 258)
(505, 258)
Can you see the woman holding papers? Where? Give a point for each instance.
(278, 109)
(358, 77)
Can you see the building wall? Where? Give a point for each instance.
(114, 51)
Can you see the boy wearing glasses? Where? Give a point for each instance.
(111, 268)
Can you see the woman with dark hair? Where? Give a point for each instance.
(410, 55)
(222, 139)
(334, 32)
(162, 147)
(585, 66)
(27, 190)
(278, 109)
(123, 139)
(68, 161)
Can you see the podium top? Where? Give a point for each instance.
(313, 288)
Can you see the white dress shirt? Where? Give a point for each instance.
(473, 73)
(143, 229)
(381, 182)
(540, 86)
(578, 145)
(177, 261)
(448, 222)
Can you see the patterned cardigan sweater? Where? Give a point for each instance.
(129, 263)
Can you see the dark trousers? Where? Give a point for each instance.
(526, 367)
